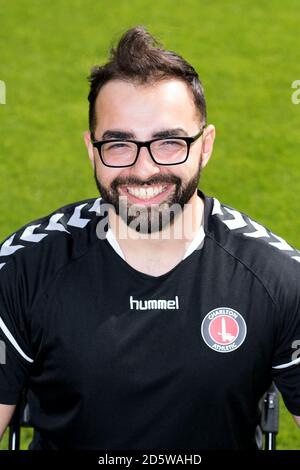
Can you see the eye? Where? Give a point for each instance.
(171, 143)
(117, 145)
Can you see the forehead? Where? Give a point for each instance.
(164, 103)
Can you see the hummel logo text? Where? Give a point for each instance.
(159, 304)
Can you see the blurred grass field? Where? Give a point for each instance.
(247, 54)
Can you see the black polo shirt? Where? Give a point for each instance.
(117, 359)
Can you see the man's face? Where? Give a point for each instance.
(143, 112)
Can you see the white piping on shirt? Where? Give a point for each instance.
(195, 243)
(110, 236)
(10, 338)
(287, 364)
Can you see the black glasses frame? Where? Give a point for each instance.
(188, 140)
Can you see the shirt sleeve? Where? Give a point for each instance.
(286, 359)
(16, 357)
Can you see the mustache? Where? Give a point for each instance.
(158, 179)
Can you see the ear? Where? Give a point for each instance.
(208, 143)
(89, 146)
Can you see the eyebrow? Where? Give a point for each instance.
(164, 133)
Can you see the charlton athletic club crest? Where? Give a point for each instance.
(223, 329)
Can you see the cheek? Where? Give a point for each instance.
(103, 174)
(106, 175)
(187, 170)
(193, 164)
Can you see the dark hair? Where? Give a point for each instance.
(139, 58)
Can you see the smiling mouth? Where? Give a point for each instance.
(146, 193)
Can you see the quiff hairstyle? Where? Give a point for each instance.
(140, 59)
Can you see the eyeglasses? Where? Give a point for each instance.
(124, 153)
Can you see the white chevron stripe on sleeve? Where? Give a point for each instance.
(55, 225)
(7, 248)
(281, 244)
(217, 208)
(76, 220)
(237, 222)
(29, 236)
(96, 206)
(260, 231)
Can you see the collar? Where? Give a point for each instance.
(195, 244)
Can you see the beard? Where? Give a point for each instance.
(155, 217)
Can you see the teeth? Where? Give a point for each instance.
(146, 193)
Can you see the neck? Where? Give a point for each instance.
(177, 235)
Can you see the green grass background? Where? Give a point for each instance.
(247, 54)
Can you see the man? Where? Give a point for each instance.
(155, 317)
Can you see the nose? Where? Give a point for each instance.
(144, 167)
